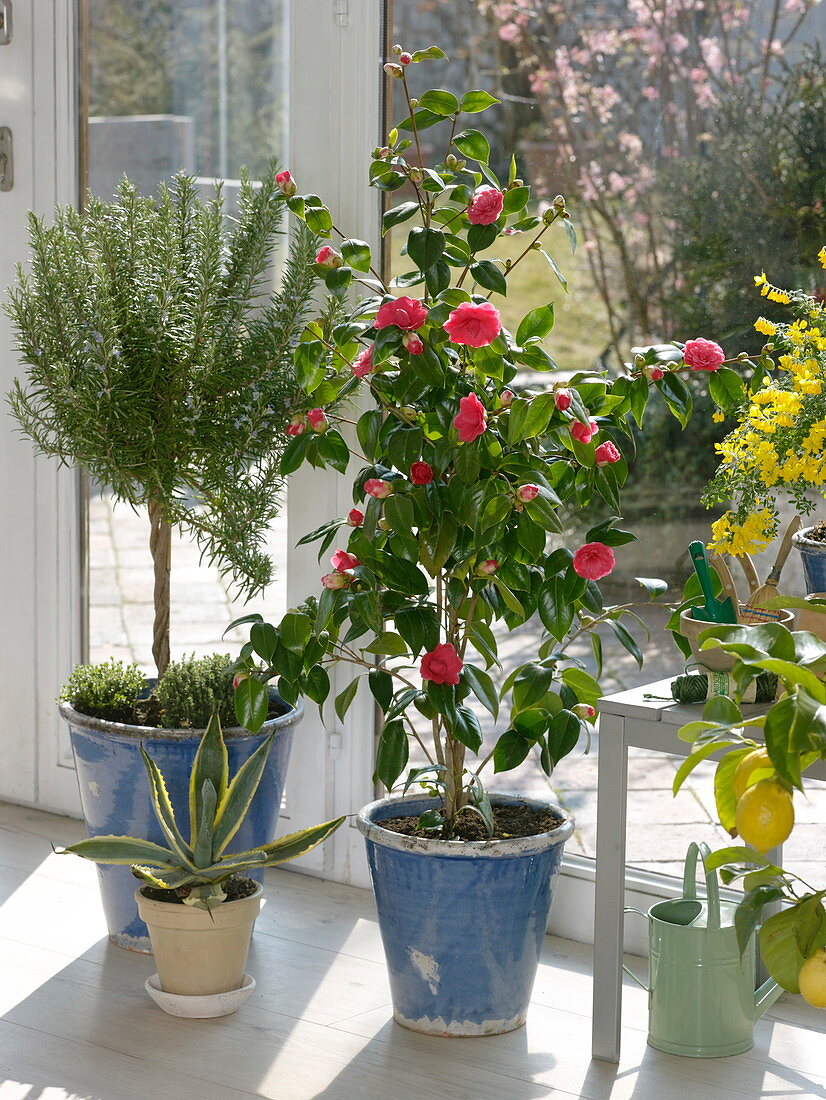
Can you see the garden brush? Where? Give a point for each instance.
(714, 610)
(756, 611)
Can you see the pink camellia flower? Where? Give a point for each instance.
(441, 665)
(328, 257)
(703, 354)
(286, 183)
(487, 568)
(594, 560)
(413, 343)
(606, 453)
(506, 398)
(584, 432)
(654, 374)
(562, 399)
(377, 487)
(363, 363)
(336, 580)
(485, 206)
(317, 419)
(584, 710)
(341, 560)
(405, 58)
(239, 678)
(297, 425)
(421, 473)
(526, 493)
(355, 517)
(476, 325)
(405, 313)
(471, 419)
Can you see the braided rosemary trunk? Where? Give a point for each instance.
(160, 544)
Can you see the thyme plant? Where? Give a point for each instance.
(155, 361)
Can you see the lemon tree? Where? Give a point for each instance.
(754, 789)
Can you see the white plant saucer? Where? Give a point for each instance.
(204, 1007)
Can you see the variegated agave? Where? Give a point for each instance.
(217, 808)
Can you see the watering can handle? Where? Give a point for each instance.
(712, 887)
(630, 973)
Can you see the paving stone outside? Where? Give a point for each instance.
(660, 826)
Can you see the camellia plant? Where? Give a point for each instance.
(754, 790)
(462, 475)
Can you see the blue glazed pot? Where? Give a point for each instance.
(462, 923)
(114, 795)
(813, 555)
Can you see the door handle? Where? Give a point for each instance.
(6, 159)
(5, 22)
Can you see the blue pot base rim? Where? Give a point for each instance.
(460, 1029)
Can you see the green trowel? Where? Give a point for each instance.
(714, 610)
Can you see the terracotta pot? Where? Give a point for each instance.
(199, 953)
(717, 659)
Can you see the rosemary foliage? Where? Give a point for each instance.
(156, 359)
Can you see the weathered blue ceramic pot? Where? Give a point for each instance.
(813, 556)
(114, 795)
(462, 923)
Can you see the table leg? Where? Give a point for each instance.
(609, 889)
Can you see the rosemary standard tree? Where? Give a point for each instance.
(155, 362)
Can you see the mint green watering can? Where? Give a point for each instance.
(701, 997)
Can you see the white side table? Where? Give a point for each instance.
(628, 719)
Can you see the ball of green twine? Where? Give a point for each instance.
(693, 688)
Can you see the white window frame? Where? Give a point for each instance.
(40, 542)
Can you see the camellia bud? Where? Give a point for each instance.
(355, 517)
(450, 161)
(562, 399)
(653, 374)
(318, 421)
(584, 710)
(297, 425)
(559, 202)
(394, 70)
(414, 103)
(336, 580)
(328, 257)
(487, 568)
(506, 398)
(639, 360)
(379, 488)
(413, 342)
(385, 524)
(397, 49)
(526, 493)
(416, 175)
(518, 183)
(286, 183)
(405, 58)
(606, 454)
(239, 678)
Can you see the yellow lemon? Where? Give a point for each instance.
(757, 759)
(812, 978)
(765, 815)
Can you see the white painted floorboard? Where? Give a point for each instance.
(76, 1024)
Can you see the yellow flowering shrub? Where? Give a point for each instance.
(779, 442)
